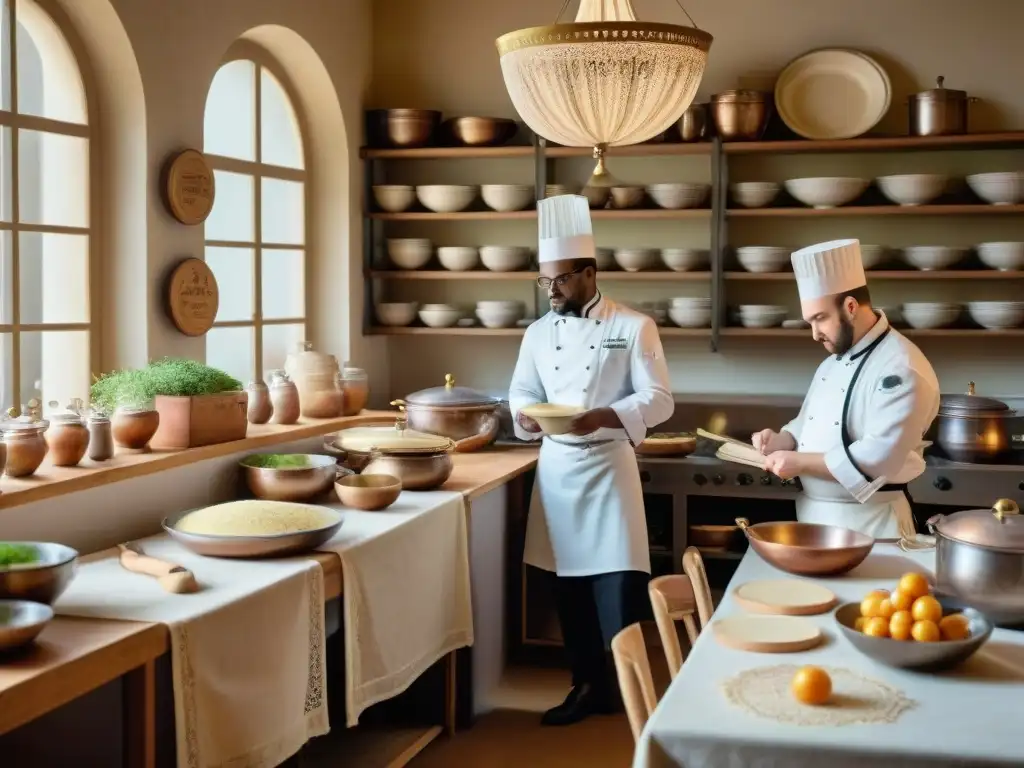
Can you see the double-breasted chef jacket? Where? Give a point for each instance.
(587, 511)
(887, 407)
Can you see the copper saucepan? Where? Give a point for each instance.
(807, 549)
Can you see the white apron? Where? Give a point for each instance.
(587, 511)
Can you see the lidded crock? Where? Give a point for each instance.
(449, 396)
(972, 405)
(305, 362)
(940, 94)
(1000, 528)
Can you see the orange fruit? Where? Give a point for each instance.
(871, 606)
(901, 601)
(877, 627)
(914, 584)
(926, 608)
(925, 631)
(859, 623)
(811, 685)
(885, 608)
(954, 627)
(900, 625)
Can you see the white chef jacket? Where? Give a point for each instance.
(892, 405)
(587, 515)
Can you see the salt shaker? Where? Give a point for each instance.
(101, 437)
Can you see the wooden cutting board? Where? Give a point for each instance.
(785, 597)
(766, 634)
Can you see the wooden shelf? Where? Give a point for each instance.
(943, 333)
(894, 274)
(414, 330)
(636, 150)
(481, 274)
(1003, 140)
(459, 216)
(878, 210)
(447, 153)
(652, 213)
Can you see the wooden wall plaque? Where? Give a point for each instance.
(190, 188)
(192, 297)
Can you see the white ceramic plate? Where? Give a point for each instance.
(832, 94)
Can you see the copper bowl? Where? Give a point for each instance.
(300, 483)
(481, 131)
(42, 581)
(740, 115)
(402, 127)
(807, 549)
(370, 493)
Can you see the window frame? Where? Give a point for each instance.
(244, 50)
(15, 121)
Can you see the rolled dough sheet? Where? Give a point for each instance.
(786, 597)
(766, 634)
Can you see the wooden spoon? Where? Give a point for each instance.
(173, 578)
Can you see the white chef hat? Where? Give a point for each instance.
(564, 228)
(827, 269)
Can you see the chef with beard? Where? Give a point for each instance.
(586, 525)
(859, 437)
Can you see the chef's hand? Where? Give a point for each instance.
(530, 425)
(784, 464)
(593, 420)
(768, 441)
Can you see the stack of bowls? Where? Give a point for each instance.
(458, 258)
(653, 309)
(627, 197)
(500, 313)
(409, 252)
(394, 198)
(440, 315)
(754, 194)
(507, 197)
(913, 188)
(690, 312)
(505, 258)
(684, 259)
(933, 257)
(1005, 257)
(637, 259)
(997, 315)
(998, 188)
(397, 313)
(872, 255)
(678, 195)
(827, 191)
(763, 258)
(761, 315)
(924, 315)
(446, 198)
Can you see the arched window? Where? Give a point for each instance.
(256, 233)
(46, 281)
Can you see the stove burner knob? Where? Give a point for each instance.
(942, 484)
(766, 479)
(744, 479)
(718, 479)
(699, 479)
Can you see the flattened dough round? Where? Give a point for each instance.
(766, 634)
(786, 597)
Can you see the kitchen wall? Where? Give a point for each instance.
(440, 54)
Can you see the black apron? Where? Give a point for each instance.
(903, 488)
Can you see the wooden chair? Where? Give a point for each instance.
(633, 669)
(678, 597)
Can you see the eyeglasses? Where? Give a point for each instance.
(546, 282)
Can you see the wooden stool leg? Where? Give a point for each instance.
(691, 628)
(139, 709)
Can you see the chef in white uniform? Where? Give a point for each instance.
(859, 437)
(586, 524)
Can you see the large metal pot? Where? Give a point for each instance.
(468, 417)
(938, 111)
(979, 560)
(740, 115)
(421, 461)
(973, 429)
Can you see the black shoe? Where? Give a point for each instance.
(583, 701)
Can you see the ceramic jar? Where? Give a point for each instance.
(101, 438)
(26, 446)
(67, 439)
(260, 409)
(355, 385)
(316, 378)
(133, 428)
(284, 397)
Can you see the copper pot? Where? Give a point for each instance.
(418, 472)
(807, 549)
(464, 415)
(420, 460)
(740, 115)
(973, 429)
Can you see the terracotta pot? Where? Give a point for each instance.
(25, 446)
(133, 429)
(67, 439)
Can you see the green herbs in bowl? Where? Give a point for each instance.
(289, 476)
(37, 571)
(279, 461)
(14, 554)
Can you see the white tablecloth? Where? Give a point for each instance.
(969, 716)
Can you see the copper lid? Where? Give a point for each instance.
(940, 94)
(740, 96)
(971, 404)
(450, 396)
(1001, 527)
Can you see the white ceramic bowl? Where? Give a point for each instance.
(1005, 257)
(932, 257)
(637, 259)
(458, 258)
(872, 255)
(446, 198)
(690, 301)
(507, 197)
(763, 258)
(827, 191)
(409, 252)
(397, 313)
(505, 258)
(394, 198)
(754, 194)
(913, 188)
(761, 315)
(997, 315)
(627, 197)
(678, 195)
(998, 188)
(500, 314)
(684, 259)
(552, 418)
(440, 315)
(597, 196)
(690, 315)
(605, 258)
(924, 315)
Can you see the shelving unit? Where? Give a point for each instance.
(718, 217)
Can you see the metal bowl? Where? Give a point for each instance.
(807, 549)
(402, 127)
(481, 131)
(291, 483)
(21, 621)
(910, 654)
(42, 581)
(271, 545)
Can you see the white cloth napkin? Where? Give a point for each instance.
(247, 651)
(406, 593)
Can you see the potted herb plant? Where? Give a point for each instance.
(194, 403)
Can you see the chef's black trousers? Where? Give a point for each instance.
(591, 611)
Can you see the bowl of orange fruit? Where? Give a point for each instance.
(911, 628)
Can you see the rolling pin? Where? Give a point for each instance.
(171, 577)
